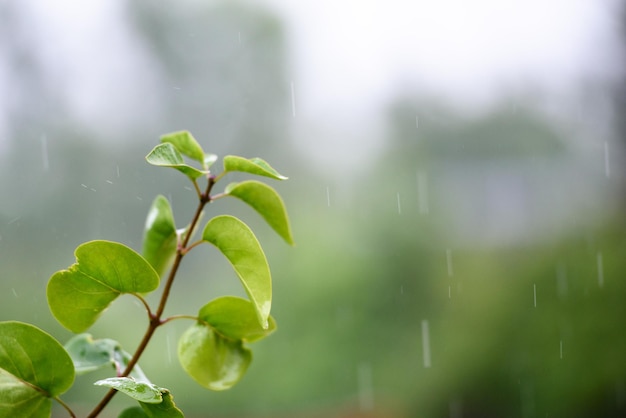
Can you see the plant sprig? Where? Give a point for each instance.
(213, 351)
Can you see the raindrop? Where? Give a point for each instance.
(14, 292)
(399, 206)
(449, 291)
(456, 410)
(293, 100)
(12, 221)
(600, 270)
(422, 192)
(561, 349)
(417, 122)
(449, 262)
(366, 392)
(426, 343)
(535, 294)
(44, 152)
(109, 181)
(328, 196)
(117, 170)
(607, 169)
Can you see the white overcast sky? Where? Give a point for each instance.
(349, 58)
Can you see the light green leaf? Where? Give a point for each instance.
(140, 391)
(267, 202)
(252, 166)
(33, 368)
(89, 354)
(165, 409)
(103, 271)
(209, 159)
(160, 238)
(213, 361)
(186, 144)
(237, 242)
(166, 155)
(235, 318)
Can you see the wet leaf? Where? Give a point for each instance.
(160, 238)
(267, 202)
(186, 144)
(213, 361)
(166, 155)
(33, 368)
(252, 166)
(89, 354)
(235, 318)
(140, 391)
(237, 242)
(103, 271)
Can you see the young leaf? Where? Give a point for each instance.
(255, 166)
(237, 242)
(160, 239)
(166, 155)
(103, 271)
(33, 368)
(235, 318)
(89, 355)
(140, 391)
(213, 361)
(267, 202)
(186, 144)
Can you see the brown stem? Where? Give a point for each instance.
(155, 320)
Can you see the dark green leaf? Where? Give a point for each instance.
(237, 242)
(252, 166)
(140, 391)
(160, 239)
(267, 202)
(186, 144)
(166, 155)
(235, 318)
(213, 361)
(133, 412)
(33, 368)
(103, 271)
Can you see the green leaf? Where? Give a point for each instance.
(165, 409)
(34, 367)
(103, 270)
(160, 238)
(166, 155)
(252, 166)
(209, 159)
(133, 412)
(140, 391)
(267, 202)
(235, 318)
(237, 242)
(89, 354)
(213, 361)
(186, 144)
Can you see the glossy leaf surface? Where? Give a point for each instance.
(140, 391)
(235, 318)
(103, 271)
(89, 354)
(186, 144)
(166, 155)
(255, 166)
(213, 361)
(33, 368)
(267, 202)
(160, 238)
(237, 242)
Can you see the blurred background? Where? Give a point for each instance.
(457, 192)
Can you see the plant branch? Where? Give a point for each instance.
(66, 406)
(155, 320)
